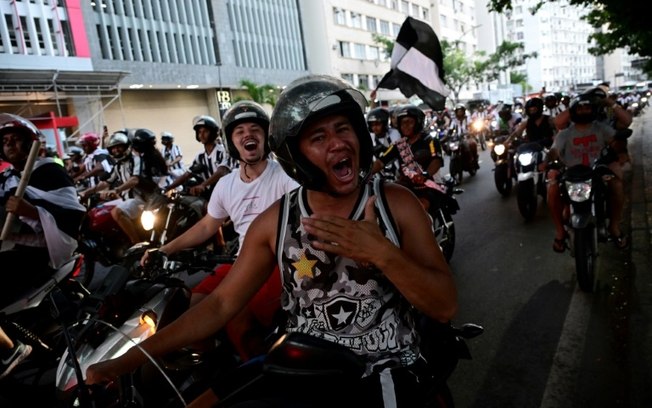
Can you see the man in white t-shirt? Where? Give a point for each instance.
(241, 195)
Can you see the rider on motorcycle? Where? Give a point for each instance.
(172, 154)
(460, 123)
(241, 196)
(538, 127)
(43, 235)
(343, 279)
(582, 143)
(507, 120)
(553, 105)
(419, 155)
(97, 161)
(213, 159)
(136, 177)
(381, 134)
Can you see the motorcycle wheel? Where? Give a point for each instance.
(527, 199)
(455, 169)
(585, 257)
(444, 230)
(502, 180)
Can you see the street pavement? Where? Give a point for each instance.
(640, 319)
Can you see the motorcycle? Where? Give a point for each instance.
(479, 132)
(584, 189)
(530, 179)
(502, 154)
(442, 215)
(102, 240)
(461, 160)
(36, 318)
(143, 306)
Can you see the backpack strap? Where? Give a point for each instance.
(385, 219)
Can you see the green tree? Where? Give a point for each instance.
(481, 67)
(618, 23)
(385, 43)
(261, 94)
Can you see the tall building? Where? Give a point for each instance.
(339, 37)
(141, 63)
(559, 36)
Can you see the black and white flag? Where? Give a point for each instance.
(417, 65)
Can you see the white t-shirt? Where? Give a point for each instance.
(242, 201)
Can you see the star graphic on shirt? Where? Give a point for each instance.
(304, 267)
(341, 316)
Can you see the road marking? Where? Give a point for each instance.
(567, 361)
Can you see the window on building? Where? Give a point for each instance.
(425, 14)
(394, 4)
(371, 25)
(444, 20)
(415, 10)
(384, 27)
(348, 78)
(363, 82)
(359, 51)
(405, 7)
(519, 23)
(373, 53)
(345, 49)
(339, 16)
(356, 20)
(519, 36)
(395, 29)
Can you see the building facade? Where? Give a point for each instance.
(142, 63)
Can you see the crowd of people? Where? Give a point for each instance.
(337, 256)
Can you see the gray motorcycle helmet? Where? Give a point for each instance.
(307, 99)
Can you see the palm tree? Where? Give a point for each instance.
(262, 94)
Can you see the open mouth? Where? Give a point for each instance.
(343, 169)
(250, 145)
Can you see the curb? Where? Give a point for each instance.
(640, 325)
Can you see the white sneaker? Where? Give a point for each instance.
(19, 353)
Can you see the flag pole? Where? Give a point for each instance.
(22, 185)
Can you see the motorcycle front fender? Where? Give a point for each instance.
(526, 176)
(580, 221)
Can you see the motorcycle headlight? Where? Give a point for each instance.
(149, 318)
(454, 145)
(526, 159)
(147, 219)
(477, 125)
(579, 191)
(643, 99)
(635, 105)
(499, 149)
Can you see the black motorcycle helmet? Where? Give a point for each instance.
(531, 105)
(304, 100)
(505, 112)
(378, 115)
(206, 121)
(143, 140)
(586, 99)
(413, 112)
(550, 100)
(23, 127)
(244, 111)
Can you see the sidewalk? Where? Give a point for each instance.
(640, 323)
